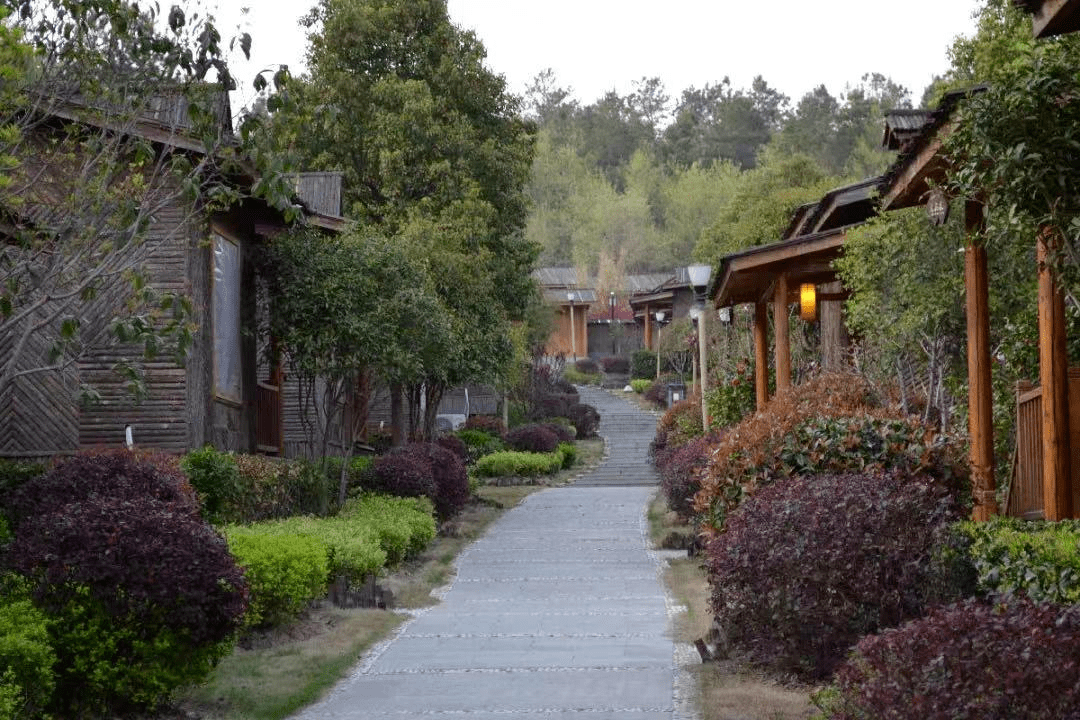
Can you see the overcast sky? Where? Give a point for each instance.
(599, 45)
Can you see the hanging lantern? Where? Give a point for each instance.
(808, 302)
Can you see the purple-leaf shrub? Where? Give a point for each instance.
(564, 433)
(455, 445)
(810, 564)
(680, 469)
(404, 473)
(451, 480)
(534, 437)
(1018, 661)
(585, 418)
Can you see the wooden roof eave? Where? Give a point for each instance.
(1055, 17)
(750, 276)
(652, 298)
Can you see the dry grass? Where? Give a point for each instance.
(725, 690)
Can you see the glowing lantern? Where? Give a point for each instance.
(808, 302)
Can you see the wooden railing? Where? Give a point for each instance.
(1026, 490)
(268, 429)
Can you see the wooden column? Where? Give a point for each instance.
(783, 336)
(648, 329)
(573, 333)
(1054, 378)
(761, 354)
(980, 397)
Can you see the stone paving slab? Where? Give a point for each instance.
(557, 612)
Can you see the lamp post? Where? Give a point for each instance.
(573, 329)
(659, 325)
(611, 321)
(699, 278)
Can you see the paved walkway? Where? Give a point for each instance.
(557, 612)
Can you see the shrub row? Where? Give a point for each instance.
(512, 463)
(290, 562)
(834, 424)
(140, 594)
(641, 386)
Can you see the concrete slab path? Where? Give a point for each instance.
(559, 611)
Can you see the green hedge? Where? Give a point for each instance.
(404, 526)
(1038, 559)
(26, 660)
(526, 464)
(289, 562)
(284, 572)
(641, 386)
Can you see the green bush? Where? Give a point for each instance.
(215, 476)
(519, 464)
(284, 572)
(404, 525)
(26, 660)
(354, 551)
(569, 454)
(1017, 557)
(641, 386)
(733, 398)
(576, 377)
(643, 365)
(479, 443)
(15, 473)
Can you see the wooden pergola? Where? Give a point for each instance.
(772, 276)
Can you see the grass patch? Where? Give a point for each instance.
(724, 689)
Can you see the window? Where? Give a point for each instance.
(226, 315)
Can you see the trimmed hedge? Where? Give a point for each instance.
(809, 565)
(480, 443)
(1018, 661)
(404, 526)
(285, 572)
(643, 365)
(641, 386)
(520, 464)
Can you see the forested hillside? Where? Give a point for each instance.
(648, 181)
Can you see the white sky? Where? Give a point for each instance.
(599, 45)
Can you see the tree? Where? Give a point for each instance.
(79, 198)
(435, 158)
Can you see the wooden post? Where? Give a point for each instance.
(761, 354)
(703, 351)
(1054, 377)
(783, 338)
(648, 329)
(573, 332)
(980, 397)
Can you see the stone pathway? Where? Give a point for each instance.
(557, 612)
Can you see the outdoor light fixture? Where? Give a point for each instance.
(808, 302)
(724, 314)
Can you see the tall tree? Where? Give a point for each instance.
(435, 157)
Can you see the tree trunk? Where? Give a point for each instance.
(397, 415)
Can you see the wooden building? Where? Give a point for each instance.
(216, 396)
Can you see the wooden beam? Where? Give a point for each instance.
(783, 339)
(1056, 17)
(1054, 378)
(761, 354)
(917, 170)
(980, 398)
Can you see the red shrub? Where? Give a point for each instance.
(680, 470)
(562, 432)
(533, 438)
(403, 473)
(455, 445)
(116, 474)
(487, 423)
(810, 564)
(1018, 661)
(451, 481)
